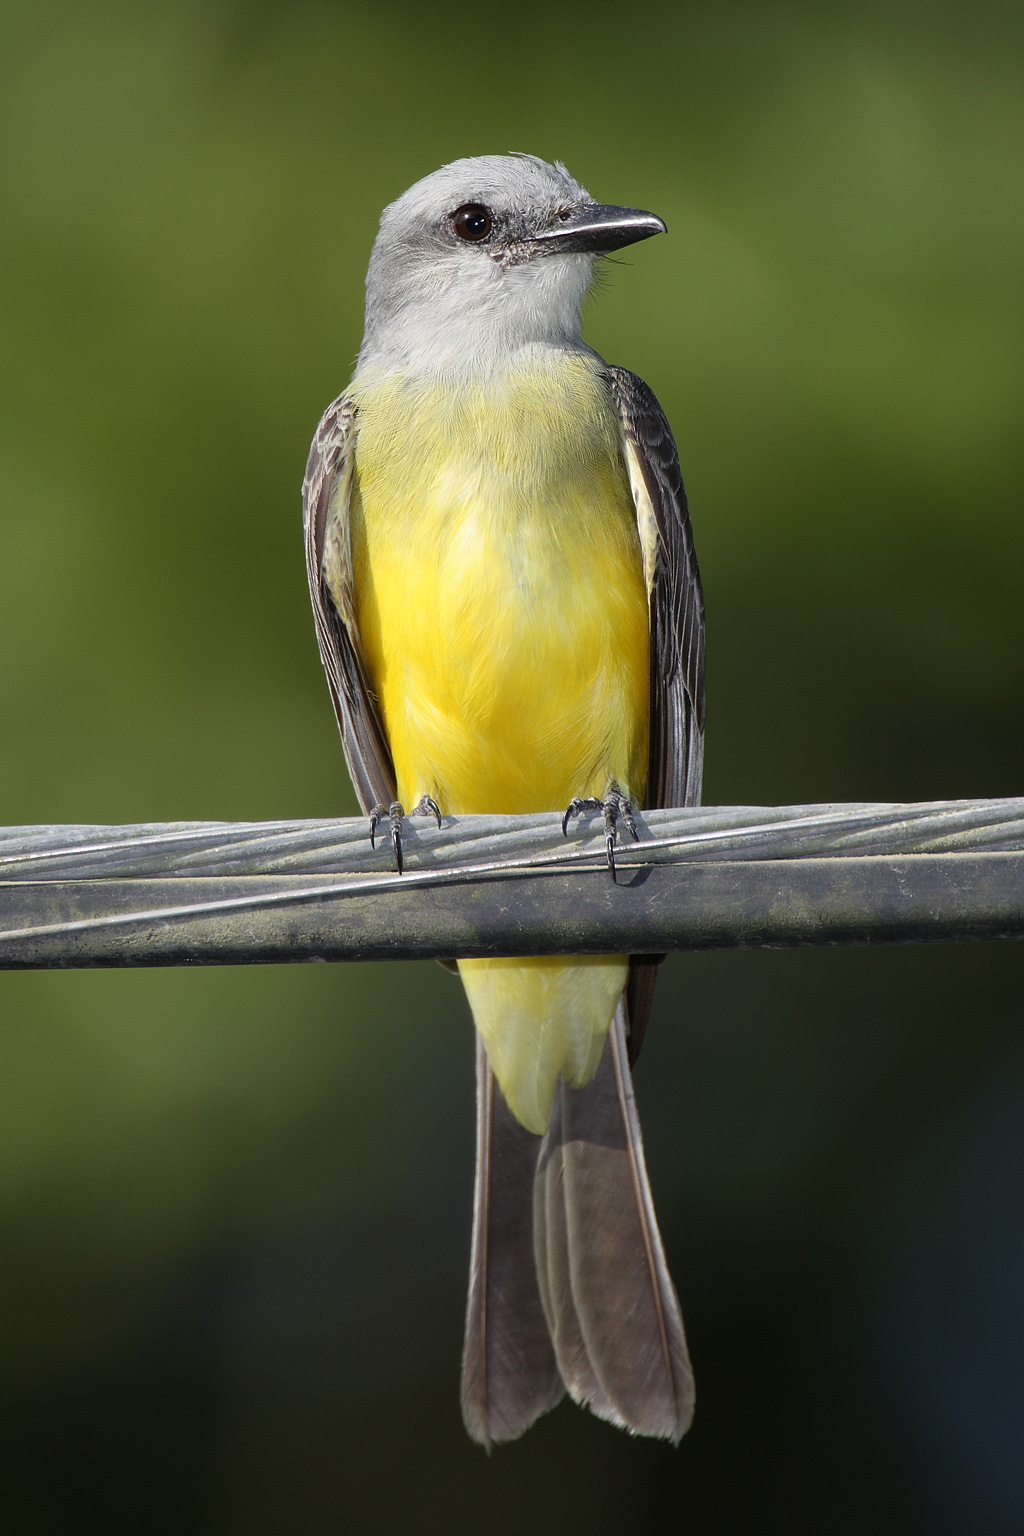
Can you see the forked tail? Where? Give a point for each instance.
(569, 1288)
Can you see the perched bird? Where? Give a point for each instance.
(509, 613)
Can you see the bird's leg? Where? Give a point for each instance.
(614, 805)
(425, 806)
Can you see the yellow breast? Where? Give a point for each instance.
(499, 588)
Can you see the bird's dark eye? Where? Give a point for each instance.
(472, 221)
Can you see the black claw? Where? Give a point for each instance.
(376, 817)
(611, 814)
(428, 806)
(576, 808)
(395, 814)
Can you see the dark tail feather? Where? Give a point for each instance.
(611, 1306)
(509, 1373)
(551, 1239)
(568, 1280)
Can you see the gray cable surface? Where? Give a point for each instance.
(224, 892)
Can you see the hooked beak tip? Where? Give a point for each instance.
(599, 228)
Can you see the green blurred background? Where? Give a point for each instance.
(234, 1205)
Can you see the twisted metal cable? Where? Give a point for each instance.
(475, 845)
(177, 892)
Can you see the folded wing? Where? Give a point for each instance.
(325, 504)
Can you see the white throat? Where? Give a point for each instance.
(470, 317)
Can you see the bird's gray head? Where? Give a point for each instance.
(485, 257)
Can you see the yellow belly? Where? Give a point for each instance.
(503, 619)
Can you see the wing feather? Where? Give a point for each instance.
(326, 492)
(676, 600)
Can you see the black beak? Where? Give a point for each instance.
(598, 227)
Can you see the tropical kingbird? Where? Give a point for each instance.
(509, 613)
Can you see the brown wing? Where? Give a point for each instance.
(676, 757)
(677, 602)
(325, 503)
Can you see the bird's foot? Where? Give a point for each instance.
(615, 805)
(394, 813)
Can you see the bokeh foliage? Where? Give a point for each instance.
(234, 1205)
